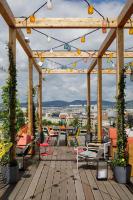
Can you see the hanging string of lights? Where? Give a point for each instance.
(32, 17)
(91, 9)
(67, 45)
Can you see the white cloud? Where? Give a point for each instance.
(65, 87)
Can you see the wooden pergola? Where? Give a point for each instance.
(117, 27)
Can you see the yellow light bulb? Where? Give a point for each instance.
(74, 64)
(131, 31)
(32, 18)
(42, 59)
(83, 39)
(78, 51)
(90, 9)
(28, 30)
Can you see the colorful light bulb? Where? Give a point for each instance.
(104, 26)
(28, 30)
(32, 18)
(78, 51)
(83, 39)
(49, 4)
(49, 39)
(131, 31)
(90, 9)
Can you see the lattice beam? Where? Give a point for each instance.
(54, 23)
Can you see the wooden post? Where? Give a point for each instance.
(99, 101)
(30, 97)
(40, 104)
(120, 54)
(88, 104)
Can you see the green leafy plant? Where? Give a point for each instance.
(122, 154)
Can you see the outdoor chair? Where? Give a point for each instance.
(91, 153)
(73, 138)
(23, 151)
(46, 145)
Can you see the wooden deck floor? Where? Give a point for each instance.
(56, 178)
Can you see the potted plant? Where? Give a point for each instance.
(121, 167)
(10, 121)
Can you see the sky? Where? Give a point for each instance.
(63, 87)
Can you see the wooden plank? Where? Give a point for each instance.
(73, 54)
(93, 185)
(30, 97)
(42, 180)
(125, 14)
(49, 181)
(119, 190)
(88, 103)
(84, 71)
(40, 104)
(126, 190)
(71, 187)
(33, 185)
(101, 186)
(99, 99)
(18, 186)
(111, 190)
(78, 186)
(7, 13)
(120, 55)
(52, 23)
(86, 186)
(26, 184)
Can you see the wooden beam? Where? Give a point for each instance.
(52, 23)
(120, 54)
(6, 13)
(30, 97)
(99, 100)
(125, 14)
(81, 71)
(92, 65)
(40, 104)
(9, 18)
(73, 54)
(88, 104)
(122, 20)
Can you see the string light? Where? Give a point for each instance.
(42, 59)
(78, 51)
(104, 26)
(49, 4)
(83, 39)
(131, 31)
(74, 64)
(49, 39)
(32, 18)
(28, 30)
(90, 9)
(51, 50)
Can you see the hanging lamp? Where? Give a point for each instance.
(32, 18)
(49, 39)
(104, 26)
(78, 51)
(74, 64)
(83, 39)
(49, 4)
(28, 30)
(90, 9)
(42, 59)
(131, 31)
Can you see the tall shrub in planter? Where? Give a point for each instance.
(9, 126)
(122, 170)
